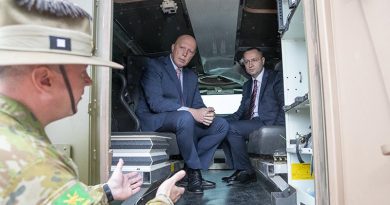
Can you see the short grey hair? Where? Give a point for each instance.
(12, 71)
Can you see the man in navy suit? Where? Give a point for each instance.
(171, 102)
(261, 104)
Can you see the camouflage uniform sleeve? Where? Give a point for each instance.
(75, 192)
(98, 193)
(49, 183)
(32, 171)
(28, 179)
(160, 199)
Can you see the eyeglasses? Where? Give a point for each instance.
(253, 60)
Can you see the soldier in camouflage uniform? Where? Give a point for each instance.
(45, 47)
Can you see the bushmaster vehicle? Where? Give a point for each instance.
(335, 146)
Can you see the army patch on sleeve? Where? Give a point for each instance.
(75, 195)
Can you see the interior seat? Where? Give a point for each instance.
(125, 93)
(268, 139)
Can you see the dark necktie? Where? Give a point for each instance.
(253, 100)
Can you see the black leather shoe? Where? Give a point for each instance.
(231, 177)
(194, 181)
(244, 177)
(206, 184)
(183, 182)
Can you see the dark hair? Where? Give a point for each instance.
(254, 48)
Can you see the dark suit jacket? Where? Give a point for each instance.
(271, 99)
(161, 92)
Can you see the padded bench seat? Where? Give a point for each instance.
(172, 149)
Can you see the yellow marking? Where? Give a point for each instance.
(172, 167)
(301, 171)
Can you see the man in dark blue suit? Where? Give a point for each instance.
(261, 104)
(171, 102)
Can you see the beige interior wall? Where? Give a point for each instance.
(355, 63)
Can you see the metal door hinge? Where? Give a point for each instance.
(92, 107)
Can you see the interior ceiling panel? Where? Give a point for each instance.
(215, 31)
(153, 30)
(149, 28)
(259, 28)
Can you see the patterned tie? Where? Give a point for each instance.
(178, 72)
(253, 100)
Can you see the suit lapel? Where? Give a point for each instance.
(263, 84)
(172, 73)
(248, 94)
(249, 89)
(185, 85)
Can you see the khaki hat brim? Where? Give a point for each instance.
(8, 57)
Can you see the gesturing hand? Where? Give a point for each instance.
(124, 185)
(168, 187)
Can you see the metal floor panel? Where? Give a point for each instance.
(258, 193)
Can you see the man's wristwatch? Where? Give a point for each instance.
(107, 190)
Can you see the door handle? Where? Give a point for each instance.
(385, 149)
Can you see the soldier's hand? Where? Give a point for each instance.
(124, 185)
(169, 189)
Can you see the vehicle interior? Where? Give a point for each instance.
(223, 29)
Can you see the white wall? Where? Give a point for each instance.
(223, 104)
